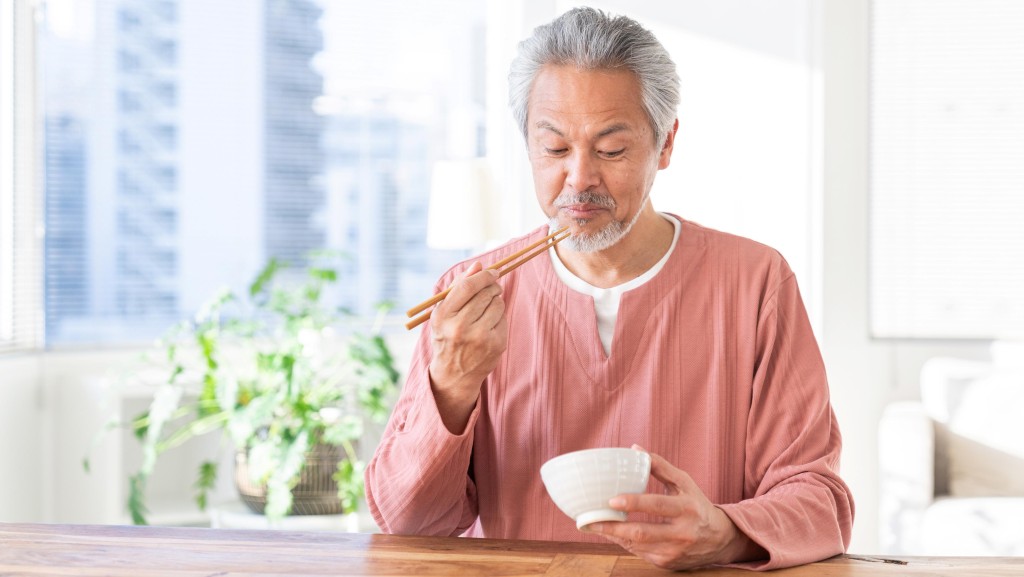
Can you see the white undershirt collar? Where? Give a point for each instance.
(606, 300)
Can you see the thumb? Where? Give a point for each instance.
(675, 479)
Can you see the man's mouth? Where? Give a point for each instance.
(582, 211)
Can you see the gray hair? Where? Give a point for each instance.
(591, 39)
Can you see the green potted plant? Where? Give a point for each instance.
(269, 370)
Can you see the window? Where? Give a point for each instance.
(947, 176)
(128, 21)
(20, 276)
(167, 136)
(166, 94)
(179, 159)
(129, 61)
(128, 101)
(167, 51)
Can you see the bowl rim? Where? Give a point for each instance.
(554, 461)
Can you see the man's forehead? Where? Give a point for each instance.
(565, 100)
(602, 131)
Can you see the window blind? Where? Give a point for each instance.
(20, 257)
(947, 169)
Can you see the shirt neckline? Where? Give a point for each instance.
(581, 286)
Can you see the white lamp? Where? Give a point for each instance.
(460, 215)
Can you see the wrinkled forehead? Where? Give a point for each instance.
(565, 98)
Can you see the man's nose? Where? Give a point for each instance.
(581, 171)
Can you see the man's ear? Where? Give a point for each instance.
(665, 156)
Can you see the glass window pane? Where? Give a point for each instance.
(189, 141)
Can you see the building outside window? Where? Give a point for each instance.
(186, 142)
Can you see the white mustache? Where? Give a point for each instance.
(586, 197)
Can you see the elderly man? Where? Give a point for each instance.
(642, 329)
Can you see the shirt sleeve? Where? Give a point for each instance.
(797, 507)
(418, 481)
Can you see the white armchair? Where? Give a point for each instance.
(952, 465)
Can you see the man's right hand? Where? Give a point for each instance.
(469, 334)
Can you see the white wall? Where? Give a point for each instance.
(743, 155)
(864, 373)
(21, 447)
(48, 419)
(77, 400)
(858, 369)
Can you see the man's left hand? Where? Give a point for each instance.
(693, 532)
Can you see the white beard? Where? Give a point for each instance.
(605, 238)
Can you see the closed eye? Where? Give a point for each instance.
(556, 150)
(612, 153)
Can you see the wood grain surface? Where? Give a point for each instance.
(119, 551)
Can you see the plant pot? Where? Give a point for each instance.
(315, 494)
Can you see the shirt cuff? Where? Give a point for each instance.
(425, 420)
(737, 514)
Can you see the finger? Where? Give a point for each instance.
(452, 301)
(660, 467)
(660, 505)
(474, 309)
(465, 288)
(493, 314)
(636, 537)
(502, 330)
(611, 538)
(473, 268)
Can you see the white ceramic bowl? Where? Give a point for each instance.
(582, 482)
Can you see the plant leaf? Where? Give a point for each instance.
(140, 426)
(291, 458)
(243, 423)
(261, 461)
(349, 478)
(207, 479)
(279, 499)
(165, 402)
(136, 498)
(178, 369)
(347, 428)
(323, 274)
(264, 278)
(195, 428)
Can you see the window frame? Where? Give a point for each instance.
(20, 198)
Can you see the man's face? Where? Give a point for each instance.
(592, 151)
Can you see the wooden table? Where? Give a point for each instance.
(95, 550)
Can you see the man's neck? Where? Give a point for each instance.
(648, 241)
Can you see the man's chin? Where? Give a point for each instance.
(604, 238)
(578, 226)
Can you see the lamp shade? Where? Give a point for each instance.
(460, 215)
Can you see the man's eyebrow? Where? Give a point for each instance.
(545, 125)
(613, 129)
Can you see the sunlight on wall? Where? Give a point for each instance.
(741, 162)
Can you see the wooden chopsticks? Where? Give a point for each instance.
(537, 248)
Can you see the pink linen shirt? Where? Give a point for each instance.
(713, 366)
